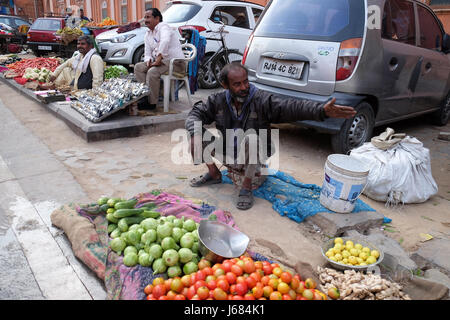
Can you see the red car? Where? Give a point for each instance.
(42, 37)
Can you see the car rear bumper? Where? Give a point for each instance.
(330, 125)
(54, 45)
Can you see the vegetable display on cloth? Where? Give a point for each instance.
(114, 94)
(115, 71)
(20, 67)
(41, 75)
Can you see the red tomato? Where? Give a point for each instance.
(287, 297)
(208, 271)
(212, 284)
(176, 285)
(148, 289)
(292, 294)
(286, 277)
(203, 293)
(200, 275)
(163, 298)
(217, 266)
(180, 297)
(267, 269)
(251, 282)
(237, 270)
(240, 279)
(249, 266)
(258, 265)
(222, 277)
(203, 263)
(227, 265)
(209, 278)
(223, 284)
(231, 277)
(297, 276)
(211, 294)
(240, 263)
(219, 272)
(157, 281)
(171, 295)
(275, 296)
(295, 283)
(185, 291)
(150, 297)
(255, 275)
(257, 292)
(274, 283)
(191, 292)
(265, 280)
(193, 278)
(199, 283)
(237, 297)
(167, 283)
(274, 265)
(241, 289)
(159, 290)
(195, 297)
(186, 280)
(233, 289)
(219, 294)
(267, 290)
(277, 271)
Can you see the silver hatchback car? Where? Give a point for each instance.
(387, 58)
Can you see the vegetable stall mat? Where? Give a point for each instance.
(89, 238)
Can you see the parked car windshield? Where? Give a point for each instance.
(46, 25)
(329, 20)
(180, 12)
(6, 21)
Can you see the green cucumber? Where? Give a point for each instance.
(149, 214)
(102, 200)
(125, 204)
(112, 227)
(110, 217)
(148, 206)
(112, 202)
(104, 207)
(127, 221)
(122, 213)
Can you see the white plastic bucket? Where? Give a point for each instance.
(345, 179)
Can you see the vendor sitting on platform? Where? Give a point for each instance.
(84, 70)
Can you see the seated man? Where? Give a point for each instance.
(243, 106)
(161, 45)
(84, 70)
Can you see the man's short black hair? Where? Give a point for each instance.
(223, 77)
(88, 40)
(156, 13)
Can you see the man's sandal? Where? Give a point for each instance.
(245, 199)
(204, 180)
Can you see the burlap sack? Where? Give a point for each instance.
(85, 238)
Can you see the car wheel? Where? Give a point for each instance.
(440, 117)
(355, 131)
(223, 59)
(206, 78)
(139, 55)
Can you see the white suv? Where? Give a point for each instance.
(239, 18)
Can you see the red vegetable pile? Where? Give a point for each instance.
(19, 67)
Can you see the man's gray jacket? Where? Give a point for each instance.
(258, 112)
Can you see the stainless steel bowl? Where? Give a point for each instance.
(218, 241)
(340, 266)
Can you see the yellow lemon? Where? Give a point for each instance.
(336, 250)
(338, 256)
(329, 254)
(345, 261)
(352, 260)
(358, 246)
(333, 258)
(338, 246)
(363, 255)
(338, 240)
(359, 260)
(371, 260)
(345, 254)
(354, 252)
(349, 243)
(366, 250)
(375, 253)
(363, 264)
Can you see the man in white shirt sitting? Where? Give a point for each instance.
(161, 45)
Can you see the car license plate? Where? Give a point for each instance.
(49, 48)
(283, 68)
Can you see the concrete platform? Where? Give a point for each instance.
(118, 125)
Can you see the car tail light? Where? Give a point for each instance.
(348, 57)
(249, 42)
(28, 36)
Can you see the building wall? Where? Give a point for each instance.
(28, 9)
(93, 8)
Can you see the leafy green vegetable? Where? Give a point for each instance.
(115, 71)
